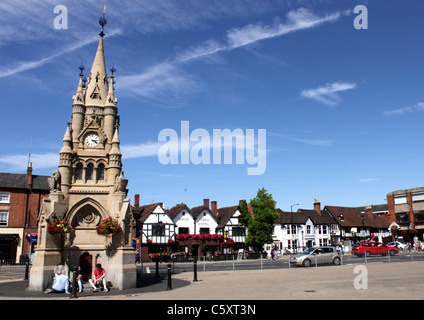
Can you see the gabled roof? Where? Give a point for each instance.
(225, 214)
(19, 181)
(352, 218)
(198, 210)
(177, 209)
(144, 211)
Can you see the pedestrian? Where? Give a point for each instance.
(272, 253)
(99, 278)
(79, 280)
(341, 247)
(60, 284)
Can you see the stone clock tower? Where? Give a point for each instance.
(88, 188)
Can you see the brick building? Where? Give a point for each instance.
(21, 196)
(406, 210)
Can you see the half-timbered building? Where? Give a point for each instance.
(155, 228)
(231, 228)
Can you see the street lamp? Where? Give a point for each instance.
(291, 210)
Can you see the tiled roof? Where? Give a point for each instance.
(19, 181)
(176, 209)
(352, 218)
(144, 211)
(225, 214)
(302, 215)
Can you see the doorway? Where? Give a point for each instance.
(86, 265)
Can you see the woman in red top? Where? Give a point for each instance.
(99, 277)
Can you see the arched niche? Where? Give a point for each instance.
(84, 218)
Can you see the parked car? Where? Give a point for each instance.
(316, 255)
(370, 247)
(398, 245)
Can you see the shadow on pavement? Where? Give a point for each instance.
(18, 289)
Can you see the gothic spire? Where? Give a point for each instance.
(97, 82)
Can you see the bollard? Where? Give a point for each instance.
(74, 283)
(157, 268)
(26, 270)
(169, 278)
(195, 270)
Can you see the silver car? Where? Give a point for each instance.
(316, 256)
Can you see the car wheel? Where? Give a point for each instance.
(336, 261)
(306, 263)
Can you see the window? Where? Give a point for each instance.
(4, 218)
(183, 230)
(291, 229)
(419, 216)
(158, 229)
(4, 197)
(90, 171)
(237, 231)
(400, 200)
(292, 244)
(402, 217)
(308, 229)
(322, 229)
(204, 231)
(101, 172)
(78, 172)
(417, 197)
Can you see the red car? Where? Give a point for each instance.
(369, 248)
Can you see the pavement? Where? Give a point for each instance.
(377, 281)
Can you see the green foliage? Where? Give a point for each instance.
(261, 227)
(245, 216)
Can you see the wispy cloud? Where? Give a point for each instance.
(328, 94)
(141, 150)
(368, 180)
(312, 142)
(162, 84)
(167, 76)
(28, 65)
(415, 108)
(41, 161)
(296, 20)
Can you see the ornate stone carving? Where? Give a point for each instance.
(54, 181)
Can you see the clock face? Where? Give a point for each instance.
(92, 140)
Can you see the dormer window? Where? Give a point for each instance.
(341, 217)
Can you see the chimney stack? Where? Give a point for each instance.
(214, 207)
(317, 206)
(29, 175)
(136, 200)
(206, 203)
(368, 210)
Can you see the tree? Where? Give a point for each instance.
(245, 216)
(261, 226)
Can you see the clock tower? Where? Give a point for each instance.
(88, 187)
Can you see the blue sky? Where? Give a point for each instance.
(342, 108)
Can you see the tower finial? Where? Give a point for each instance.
(81, 67)
(103, 22)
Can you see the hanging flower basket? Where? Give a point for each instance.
(108, 227)
(59, 226)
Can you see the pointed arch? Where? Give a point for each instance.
(87, 213)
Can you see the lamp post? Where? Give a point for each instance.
(291, 211)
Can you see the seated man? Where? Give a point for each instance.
(99, 278)
(60, 284)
